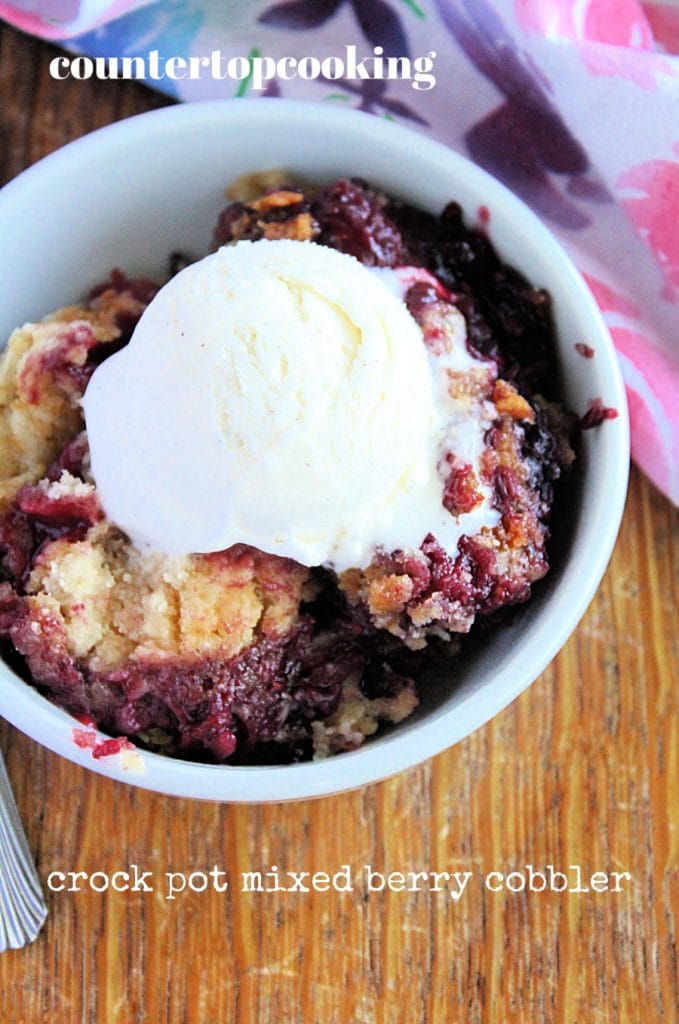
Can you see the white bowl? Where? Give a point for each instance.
(127, 195)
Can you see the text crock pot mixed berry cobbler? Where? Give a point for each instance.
(242, 656)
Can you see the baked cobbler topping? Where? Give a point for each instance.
(320, 595)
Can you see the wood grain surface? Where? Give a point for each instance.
(582, 769)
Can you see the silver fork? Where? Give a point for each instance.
(22, 905)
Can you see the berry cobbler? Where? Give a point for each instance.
(367, 474)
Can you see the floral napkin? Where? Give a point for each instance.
(574, 104)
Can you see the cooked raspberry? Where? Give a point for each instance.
(508, 488)
(352, 219)
(441, 565)
(415, 566)
(462, 492)
(113, 746)
(84, 738)
(56, 506)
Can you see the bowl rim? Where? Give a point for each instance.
(408, 745)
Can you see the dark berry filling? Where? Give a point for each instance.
(353, 219)
(259, 706)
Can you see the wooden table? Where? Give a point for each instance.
(582, 769)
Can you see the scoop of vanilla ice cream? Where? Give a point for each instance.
(278, 394)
